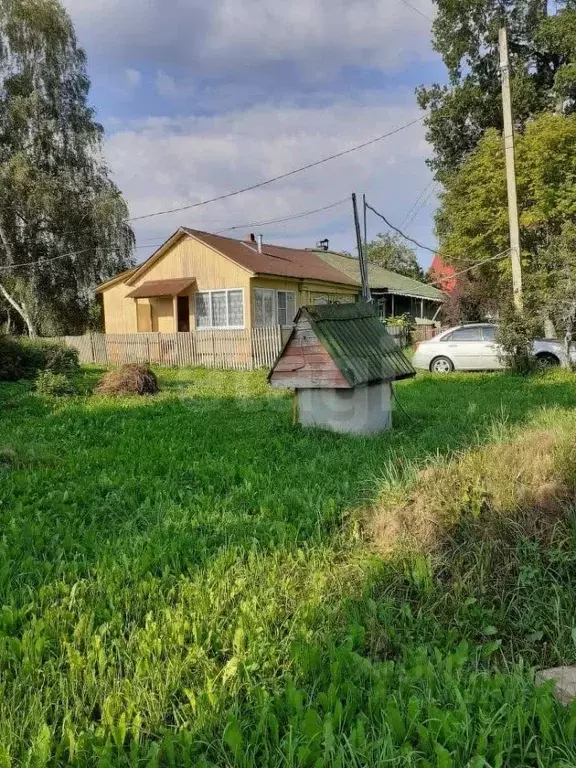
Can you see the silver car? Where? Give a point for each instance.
(474, 348)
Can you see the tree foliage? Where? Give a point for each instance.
(465, 33)
(472, 223)
(391, 252)
(56, 195)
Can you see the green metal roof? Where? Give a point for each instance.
(358, 343)
(380, 278)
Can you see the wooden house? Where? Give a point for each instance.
(199, 281)
(341, 362)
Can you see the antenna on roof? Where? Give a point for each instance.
(366, 295)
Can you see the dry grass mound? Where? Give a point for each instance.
(131, 379)
(530, 481)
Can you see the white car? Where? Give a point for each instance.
(473, 348)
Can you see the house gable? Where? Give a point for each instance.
(186, 257)
(305, 363)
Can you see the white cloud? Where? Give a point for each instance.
(236, 37)
(162, 163)
(165, 85)
(133, 77)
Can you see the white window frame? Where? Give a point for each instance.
(219, 327)
(275, 293)
(295, 295)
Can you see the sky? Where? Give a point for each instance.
(202, 97)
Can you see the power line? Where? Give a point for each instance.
(161, 240)
(435, 189)
(399, 231)
(424, 15)
(286, 218)
(419, 197)
(63, 256)
(478, 264)
(228, 195)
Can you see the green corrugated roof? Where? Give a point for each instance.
(380, 278)
(358, 343)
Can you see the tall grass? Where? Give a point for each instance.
(183, 582)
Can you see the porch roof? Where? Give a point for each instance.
(156, 288)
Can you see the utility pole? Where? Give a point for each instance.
(366, 295)
(510, 170)
(365, 209)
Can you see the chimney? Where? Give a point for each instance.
(259, 243)
(250, 238)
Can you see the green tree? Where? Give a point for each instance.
(472, 223)
(391, 252)
(56, 197)
(465, 33)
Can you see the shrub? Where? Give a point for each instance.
(131, 379)
(56, 384)
(24, 358)
(516, 333)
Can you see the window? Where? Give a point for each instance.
(273, 307)
(489, 332)
(466, 334)
(203, 310)
(264, 308)
(286, 307)
(236, 309)
(220, 309)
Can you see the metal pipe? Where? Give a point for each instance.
(259, 243)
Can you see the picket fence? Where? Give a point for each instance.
(233, 349)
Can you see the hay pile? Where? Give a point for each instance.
(131, 379)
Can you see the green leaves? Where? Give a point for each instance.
(57, 196)
(465, 33)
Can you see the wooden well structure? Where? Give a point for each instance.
(341, 363)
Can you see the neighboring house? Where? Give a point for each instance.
(394, 294)
(197, 280)
(443, 275)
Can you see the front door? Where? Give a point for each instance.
(465, 347)
(183, 320)
(492, 350)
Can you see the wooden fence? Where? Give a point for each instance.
(404, 337)
(234, 349)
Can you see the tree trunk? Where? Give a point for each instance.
(549, 329)
(20, 308)
(569, 333)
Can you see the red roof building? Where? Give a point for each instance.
(443, 275)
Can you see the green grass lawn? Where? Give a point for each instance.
(183, 581)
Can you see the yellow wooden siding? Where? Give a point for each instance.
(186, 258)
(162, 315)
(144, 311)
(119, 312)
(312, 291)
(307, 291)
(191, 258)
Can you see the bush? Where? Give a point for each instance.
(24, 358)
(131, 379)
(56, 384)
(516, 333)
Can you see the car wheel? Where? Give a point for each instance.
(442, 365)
(547, 360)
